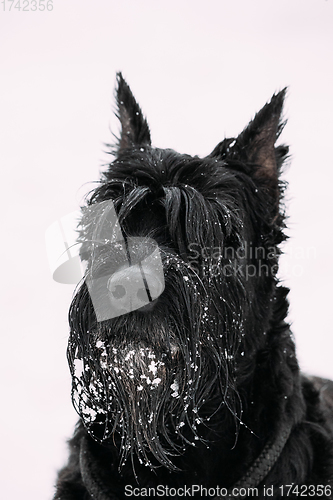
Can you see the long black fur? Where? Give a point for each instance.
(222, 349)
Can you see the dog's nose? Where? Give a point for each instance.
(132, 288)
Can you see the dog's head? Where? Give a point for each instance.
(195, 240)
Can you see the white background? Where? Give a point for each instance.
(199, 70)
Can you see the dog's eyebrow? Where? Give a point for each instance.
(134, 197)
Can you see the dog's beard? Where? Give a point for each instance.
(152, 381)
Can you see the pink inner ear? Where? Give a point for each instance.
(127, 136)
(262, 153)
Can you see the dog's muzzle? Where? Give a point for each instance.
(122, 275)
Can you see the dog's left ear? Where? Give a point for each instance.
(255, 146)
(134, 127)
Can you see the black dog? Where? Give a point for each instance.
(195, 390)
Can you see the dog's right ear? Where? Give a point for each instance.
(134, 127)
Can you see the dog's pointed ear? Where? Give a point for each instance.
(134, 127)
(256, 144)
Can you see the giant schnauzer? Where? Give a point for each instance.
(184, 370)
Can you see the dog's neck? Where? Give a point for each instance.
(99, 487)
